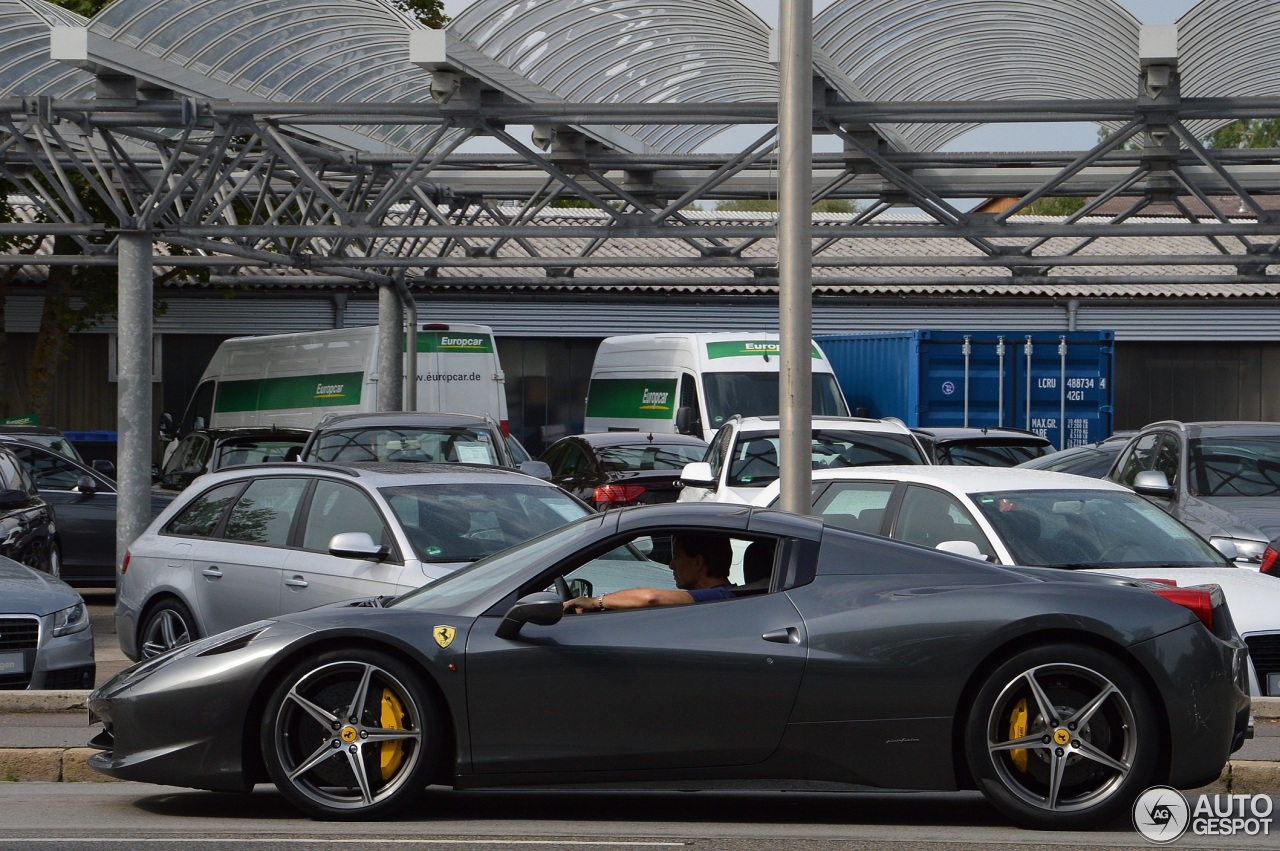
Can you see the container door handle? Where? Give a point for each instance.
(296, 582)
(789, 635)
(213, 572)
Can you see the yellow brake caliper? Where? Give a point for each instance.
(393, 719)
(1017, 729)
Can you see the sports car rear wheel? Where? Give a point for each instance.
(1061, 737)
(350, 735)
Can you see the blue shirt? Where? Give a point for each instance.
(719, 592)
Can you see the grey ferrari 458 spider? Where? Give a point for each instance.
(841, 657)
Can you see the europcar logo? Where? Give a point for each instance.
(654, 400)
(328, 391)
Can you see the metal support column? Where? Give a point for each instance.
(795, 252)
(133, 401)
(390, 348)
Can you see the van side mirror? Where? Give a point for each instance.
(1153, 483)
(166, 428)
(687, 422)
(697, 475)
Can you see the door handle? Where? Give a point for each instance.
(789, 635)
(296, 582)
(212, 572)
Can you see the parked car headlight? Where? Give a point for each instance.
(71, 620)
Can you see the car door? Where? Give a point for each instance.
(86, 521)
(26, 527)
(675, 687)
(313, 576)
(238, 571)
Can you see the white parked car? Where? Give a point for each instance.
(743, 456)
(1043, 519)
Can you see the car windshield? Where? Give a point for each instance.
(1091, 528)
(989, 454)
(236, 453)
(467, 521)
(755, 458)
(1235, 466)
(649, 456)
(472, 589)
(441, 444)
(755, 394)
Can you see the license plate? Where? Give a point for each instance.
(13, 663)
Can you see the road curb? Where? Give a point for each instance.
(71, 700)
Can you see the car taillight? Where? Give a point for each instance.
(1270, 561)
(617, 493)
(124, 565)
(1198, 600)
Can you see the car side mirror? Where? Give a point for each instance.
(356, 545)
(166, 428)
(962, 548)
(87, 485)
(697, 475)
(1227, 547)
(543, 608)
(581, 588)
(1153, 483)
(104, 467)
(537, 469)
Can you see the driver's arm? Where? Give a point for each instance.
(632, 598)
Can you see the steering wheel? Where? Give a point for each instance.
(562, 588)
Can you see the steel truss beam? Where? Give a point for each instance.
(255, 182)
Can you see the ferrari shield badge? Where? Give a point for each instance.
(444, 635)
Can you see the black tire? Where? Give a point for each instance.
(351, 734)
(168, 624)
(1098, 737)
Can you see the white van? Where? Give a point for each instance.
(688, 383)
(297, 379)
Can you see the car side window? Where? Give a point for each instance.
(859, 506)
(264, 512)
(554, 458)
(336, 508)
(929, 517)
(719, 449)
(51, 472)
(1166, 458)
(201, 517)
(1141, 457)
(190, 455)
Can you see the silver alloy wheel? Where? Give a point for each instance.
(166, 628)
(1062, 737)
(348, 735)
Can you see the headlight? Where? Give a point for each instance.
(1246, 550)
(71, 620)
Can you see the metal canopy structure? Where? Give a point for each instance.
(330, 139)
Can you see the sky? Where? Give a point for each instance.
(1014, 137)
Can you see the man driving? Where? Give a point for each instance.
(701, 567)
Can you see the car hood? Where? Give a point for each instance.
(1252, 597)
(27, 591)
(1240, 516)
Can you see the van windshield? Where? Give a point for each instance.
(755, 394)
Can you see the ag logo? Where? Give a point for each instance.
(1161, 814)
(444, 635)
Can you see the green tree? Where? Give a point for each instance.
(1246, 133)
(766, 205)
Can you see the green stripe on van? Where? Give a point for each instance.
(296, 391)
(748, 348)
(632, 398)
(455, 341)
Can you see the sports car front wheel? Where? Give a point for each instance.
(1062, 737)
(350, 735)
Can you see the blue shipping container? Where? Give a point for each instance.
(1034, 380)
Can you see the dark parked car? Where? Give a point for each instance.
(418, 436)
(54, 439)
(202, 451)
(28, 528)
(1220, 478)
(84, 504)
(1092, 459)
(1061, 696)
(616, 468)
(982, 447)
